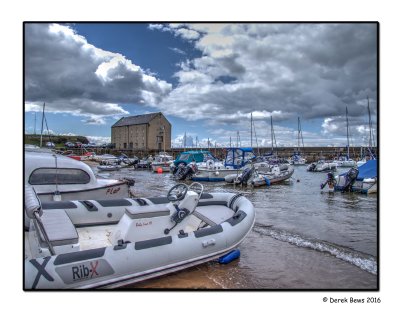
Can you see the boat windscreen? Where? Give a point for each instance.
(234, 157)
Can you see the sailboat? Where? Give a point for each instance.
(345, 161)
(368, 155)
(268, 161)
(297, 158)
(271, 154)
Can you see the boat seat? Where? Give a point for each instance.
(213, 215)
(59, 228)
(138, 212)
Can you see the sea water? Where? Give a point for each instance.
(302, 238)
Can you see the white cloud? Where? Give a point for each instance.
(92, 120)
(311, 70)
(329, 126)
(187, 34)
(73, 76)
(177, 50)
(283, 70)
(98, 140)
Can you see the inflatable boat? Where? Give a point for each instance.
(109, 167)
(322, 166)
(254, 177)
(363, 179)
(152, 237)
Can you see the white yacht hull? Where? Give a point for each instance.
(213, 175)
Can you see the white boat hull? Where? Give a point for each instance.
(164, 167)
(322, 167)
(367, 186)
(117, 190)
(347, 163)
(108, 168)
(271, 178)
(213, 175)
(300, 162)
(128, 262)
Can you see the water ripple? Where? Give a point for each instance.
(364, 261)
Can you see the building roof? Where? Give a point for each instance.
(134, 120)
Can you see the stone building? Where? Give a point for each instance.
(142, 132)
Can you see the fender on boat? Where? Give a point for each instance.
(231, 256)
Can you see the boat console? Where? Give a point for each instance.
(147, 222)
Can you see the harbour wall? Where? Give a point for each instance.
(310, 153)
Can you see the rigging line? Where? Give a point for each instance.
(47, 127)
(273, 136)
(300, 134)
(369, 124)
(41, 131)
(255, 134)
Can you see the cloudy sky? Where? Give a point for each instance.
(206, 78)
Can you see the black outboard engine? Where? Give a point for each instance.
(179, 170)
(186, 171)
(350, 177)
(245, 176)
(190, 170)
(312, 167)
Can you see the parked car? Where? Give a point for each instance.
(50, 145)
(78, 144)
(69, 145)
(92, 145)
(108, 146)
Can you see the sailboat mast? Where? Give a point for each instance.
(255, 135)
(370, 125)
(298, 134)
(34, 130)
(272, 137)
(41, 131)
(348, 142)
(164, 137)
(251, 129)
(301, 134)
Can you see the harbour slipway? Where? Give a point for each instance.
(66, 249)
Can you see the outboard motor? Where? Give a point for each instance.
(350, 177)
(245, 176)
(190, 170)
(179, 170)
(312, 167)
(186, 171)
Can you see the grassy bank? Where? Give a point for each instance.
(59, 141)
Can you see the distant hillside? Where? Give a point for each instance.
(58, 140)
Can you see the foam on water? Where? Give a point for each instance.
(364, 261)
